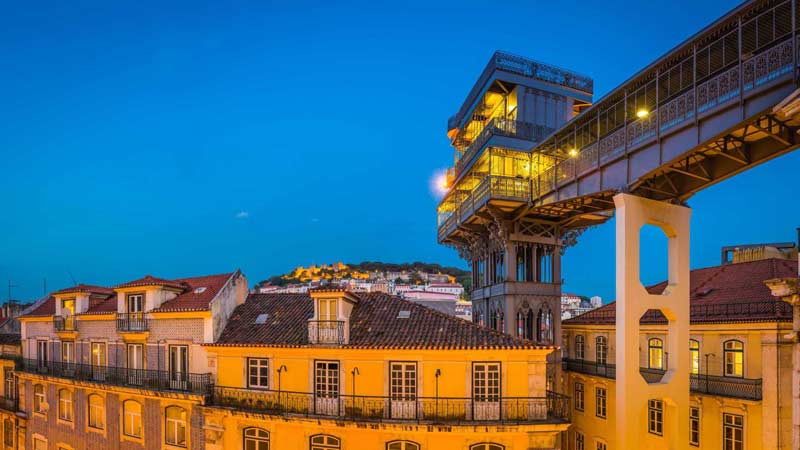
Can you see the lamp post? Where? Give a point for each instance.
(353, 374)
(707, 355)
(436, 375)
(281, 369)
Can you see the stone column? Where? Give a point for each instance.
(632, 392)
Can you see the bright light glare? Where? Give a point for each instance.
(573, 152)
(642, 113)
(439, 184)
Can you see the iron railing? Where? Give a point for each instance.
(734, 387)
(326, 332)
(744, 388)
(522, 66)
(703, 312)
(9, 403)
(65, 323)
(132, 322)
(553, 407)
(500, 126)
(161, 380)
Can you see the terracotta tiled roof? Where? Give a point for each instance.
(85, 289)
(729, 293)
(374, 323)
(198, 294)
(46, 308)
(150, 280)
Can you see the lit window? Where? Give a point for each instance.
(97, 412)
(39, 444)
(655, 347)
(256, 439)
(65, 404)
(734, 358)
(325, 442)
(579, 441)
(694, 352)
(258, 373)
(600, 402)
(579, 346)
(132, 418)
(67, 352)
(10, 384)
(601, 350)
(402, 445)
(579, 396)
(38, 398)
(694, 426)
(655, 417)
(176, 426)
(601, 446)
(732, 432)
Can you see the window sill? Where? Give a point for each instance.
(101, 431)
(175, 447)
(125, 437)
(68, 423)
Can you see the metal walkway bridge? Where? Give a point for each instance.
(718, 104)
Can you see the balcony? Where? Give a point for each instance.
(744, 388)
(733, 387)
(132, 323)
(326, 332)
(9, 404)
(65, 324)
(554, 408)
(502, 127)
(159, 380)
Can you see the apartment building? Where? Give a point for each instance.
(740, 364)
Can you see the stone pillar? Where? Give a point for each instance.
(632, 392)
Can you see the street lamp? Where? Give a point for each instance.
(707, 356)
(436, 375)
(281, 369)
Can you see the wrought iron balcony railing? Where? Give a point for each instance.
(734, 387)
(65, 323)
(745, 388)
(326, 332)
(552, 408)
(500, 126)
(9, 403)
(160, 380)
(132, 322)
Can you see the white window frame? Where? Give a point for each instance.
(173, 426)
(132, 418)
(96, 413)
(65, 403)
(261, 376)
(403, 380)
(655, 417)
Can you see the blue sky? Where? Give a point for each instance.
(185, 138)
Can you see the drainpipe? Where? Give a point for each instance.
(787, 290)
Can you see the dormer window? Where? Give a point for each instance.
(67, 307)
(328, 310)
(330, 323)
(135, 303)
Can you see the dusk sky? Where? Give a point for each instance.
(187, 138)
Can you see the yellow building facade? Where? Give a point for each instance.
(374, 372)
(740, 371)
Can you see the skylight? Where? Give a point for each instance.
(199, 290)
(404, 314)
(262, 318)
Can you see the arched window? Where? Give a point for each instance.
(544, 325)
(175, 432)
(655, 351)
(325, 442)
(97, 412)
(694, 353)
(601, 349)
(733, 351)
(487, 446)
(38, 398)
(256, 439)
(402, 445)
(65, 404)
(132, 418)
(579, 346)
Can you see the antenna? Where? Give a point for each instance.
(44, 285)
(9, 288)
(74, 283)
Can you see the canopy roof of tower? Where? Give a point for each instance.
(375, 322)
(196, 294)
(730, 293)
(517, 70)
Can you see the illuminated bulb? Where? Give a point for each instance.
(642, 113)
(573, 152)
(441, 183)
